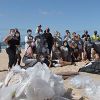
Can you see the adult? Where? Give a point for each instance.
(39, 30)
(29, 39)
(29, 58)
(57, 60)
(73, 35)
(95, 36)
(39, 39)
(49, 39)
(80, 47)
(58, 38)
(67, 36)
(64, 51)
(18, 47)
(11, 42)
(85, 35)
(87, 48)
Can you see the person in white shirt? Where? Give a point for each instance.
(29, 40)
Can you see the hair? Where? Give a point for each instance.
(67, 31)
(64, 42)
(29, 30)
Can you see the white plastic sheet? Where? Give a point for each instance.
(36, 83)
(81, 81)
(91, 88)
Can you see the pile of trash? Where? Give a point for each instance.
(92, 67)
(90, 87)
(34, 83)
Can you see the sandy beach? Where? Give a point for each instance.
(76, 92)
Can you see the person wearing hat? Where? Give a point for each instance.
(85, 35)
(95, 36)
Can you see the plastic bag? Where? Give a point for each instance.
(57, 84)
(59, 98)
(45, 83)
(8, 93)
(93, 93)
(1, 84)
(16, 69)
(8, 78)
(81, 81)
(39, 90)
(37, 83)
(91, 88)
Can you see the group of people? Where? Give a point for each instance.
(52, 50)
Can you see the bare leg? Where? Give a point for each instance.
(64, 63)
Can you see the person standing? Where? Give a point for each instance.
(67, 37)
(87, 48)
(39, 30)
(85, 35)
(11, 42)
(39, 39)
(29, 40)
(58, 38)
(49, 39)
(95, 36)
(18, 47)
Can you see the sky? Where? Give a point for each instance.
(58, 15)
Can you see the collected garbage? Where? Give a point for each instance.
(92, 67)
(90, 87)
(34, 83)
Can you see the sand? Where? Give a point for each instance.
(76, 92)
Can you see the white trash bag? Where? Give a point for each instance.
(36, 83)
(81, 82)
(8, 93)
(38, 89)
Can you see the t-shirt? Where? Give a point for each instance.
(64, 53)
(56, 53)
(27, 38)
(88, 45)
(84, 35)
(58, 40)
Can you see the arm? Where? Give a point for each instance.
(6, 39)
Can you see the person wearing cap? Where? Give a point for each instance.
(95, 36)
(85, 35)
